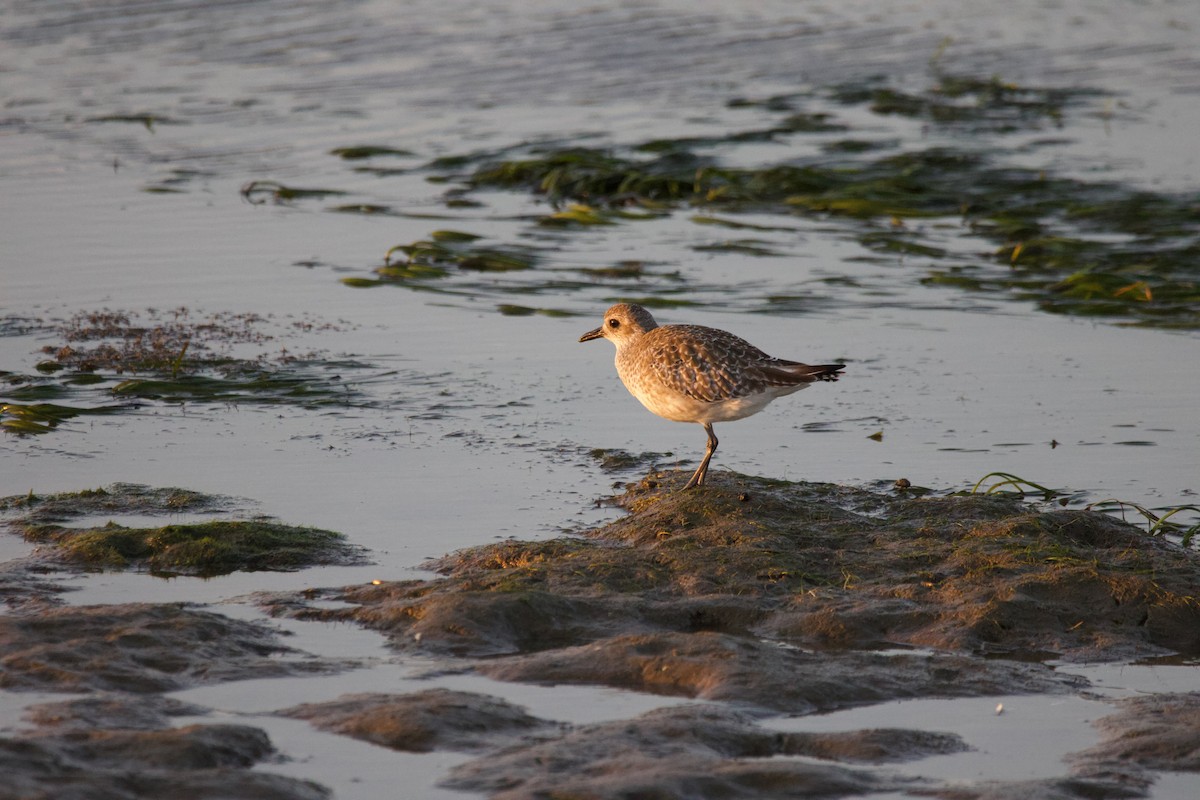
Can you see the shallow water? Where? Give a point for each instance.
(128, 130)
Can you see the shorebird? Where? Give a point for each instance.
(691, 373)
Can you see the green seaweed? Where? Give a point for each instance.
(1152, 277)
(424, 263)
(625, 270)
(723, 222)
(176, 181)
(454, 236)
(259, 192)
(1158, 521)
(618, 460)
(1069, 245)
(431, 258)
(967, 101)
(309, 386)
(580, 214)
(360, 152)
(369, 209)
(1008, 483)
(36, 418)
(746, 247)
(204, 549)
(146, 120)
(513, 310)
(117, 498)
(207, 548)
(585, 175)
(362, 283)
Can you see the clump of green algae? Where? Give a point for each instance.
(259, 192)
(431, 259)
(618, 460)
(206, 549)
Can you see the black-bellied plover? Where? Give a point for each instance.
(690, 373)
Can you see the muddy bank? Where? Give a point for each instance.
(115, 747)
(437, 719)
(1153, 732)
(817, 567)
(764, 675)
(117, 740)
(697, 750)
(140, 648)
(717, 750)
(693, 751)
(750, 599)
(763, 598)
(24, 587)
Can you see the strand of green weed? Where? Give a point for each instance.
(1011, 480)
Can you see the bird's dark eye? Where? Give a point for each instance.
(614, 323)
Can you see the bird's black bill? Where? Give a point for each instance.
(596, 334)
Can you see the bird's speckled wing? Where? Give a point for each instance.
(706, 364)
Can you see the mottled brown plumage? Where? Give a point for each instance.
(692, 373)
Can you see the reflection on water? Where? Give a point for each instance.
(873, 184)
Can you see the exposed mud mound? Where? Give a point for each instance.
(715, 666)
(1160, 732)
(771, 597)
(24, 588)
(105, 710)
(1049, 789)
(438, 719)
(684, 751)
(874, 746)
(811, 565)
(687, 751)
(118, 745)
(979, 573)
(199, 761)
(136, 648)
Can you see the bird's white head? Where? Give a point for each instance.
(623, 323)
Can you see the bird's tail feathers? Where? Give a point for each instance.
(791, 372)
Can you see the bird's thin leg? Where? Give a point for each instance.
(702, 470)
